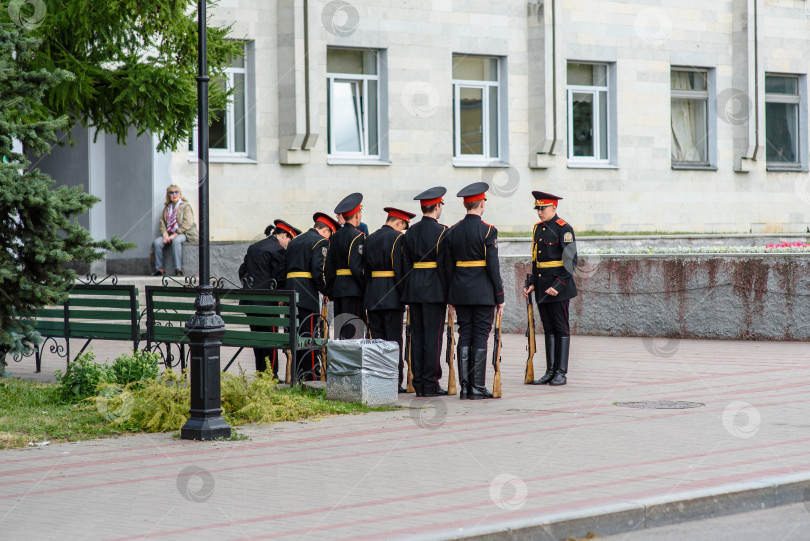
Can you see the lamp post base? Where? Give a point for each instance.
(205, 429)
(204, 329)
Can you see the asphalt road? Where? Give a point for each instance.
(785, 523)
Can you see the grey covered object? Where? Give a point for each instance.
(362, 370)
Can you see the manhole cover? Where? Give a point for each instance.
(660, 405)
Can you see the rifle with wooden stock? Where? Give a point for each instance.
(451, 349)
(496, 358)
(532, 347)
(324, 334)
(409, 388)
(288, 377)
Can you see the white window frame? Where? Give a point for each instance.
(484, 159)
(801, 123)
(593, 90)
(228, 154)
(363, 80)
(707, 96)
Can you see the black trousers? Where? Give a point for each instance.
(263, 354)
(474, 324)
(306, 360)
(350, 318)
(554, 316)
(427, 326)
(387, 325)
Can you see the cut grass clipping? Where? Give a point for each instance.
(37, 412)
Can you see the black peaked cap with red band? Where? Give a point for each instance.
(543, 199)
(350, 205)
(326, 219)
(474, 192)
(287, 228)
(431, 196)
(403, 215)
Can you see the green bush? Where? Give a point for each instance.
(82, 377)
(152, 405)
(137, 366)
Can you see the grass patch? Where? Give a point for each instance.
(34, 411)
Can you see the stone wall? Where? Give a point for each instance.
(736, 297)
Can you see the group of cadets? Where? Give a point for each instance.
(427, 266)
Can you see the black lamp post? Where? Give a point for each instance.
(205, 328)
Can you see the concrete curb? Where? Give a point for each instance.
(615, 519)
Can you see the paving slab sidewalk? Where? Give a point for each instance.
(541, 462)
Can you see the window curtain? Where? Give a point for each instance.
(684, 113)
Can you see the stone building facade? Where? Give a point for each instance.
(643, 114)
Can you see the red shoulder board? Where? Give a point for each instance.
(561, 221)
(538, 223)
(483, 222)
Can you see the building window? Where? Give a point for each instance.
(352, 103)
(589, 113)
(478, 137)
(689, 95)
(230, 133)
(782, 125)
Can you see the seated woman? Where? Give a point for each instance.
(176, 227)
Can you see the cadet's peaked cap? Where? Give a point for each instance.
(401, 214)
(350, 205)
(284, 226)
(543, 199)
(432, 196)
(326, 219)
(474, 192)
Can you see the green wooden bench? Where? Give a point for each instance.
(91, 311)
(168, 308)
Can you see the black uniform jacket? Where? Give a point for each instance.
(471, 242)
(424, 243)
(554, 258)
(265, 261)
(382, 253)
(307, 253)
(344, 266)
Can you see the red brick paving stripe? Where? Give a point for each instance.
(533, 418)
(456, 524)
(756, 387)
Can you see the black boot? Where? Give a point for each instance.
(561, 366)
(479, 374)
(550, 356)
(463, 354)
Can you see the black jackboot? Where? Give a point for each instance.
(550, 357)
(561, 366)
(463, 355)
(479, 390)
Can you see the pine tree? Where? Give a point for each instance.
(39, 231)
(134, 63)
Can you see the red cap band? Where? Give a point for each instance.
(474, 198)
(351, 212)
(428, 202)
(327, 222)
(400, 215)
(287, 229)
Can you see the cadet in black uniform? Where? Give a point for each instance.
(345, 282)
(306, 257)
(265, 267)
(476, 288)
(426, 292)
(382, 263)
(554, 258)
